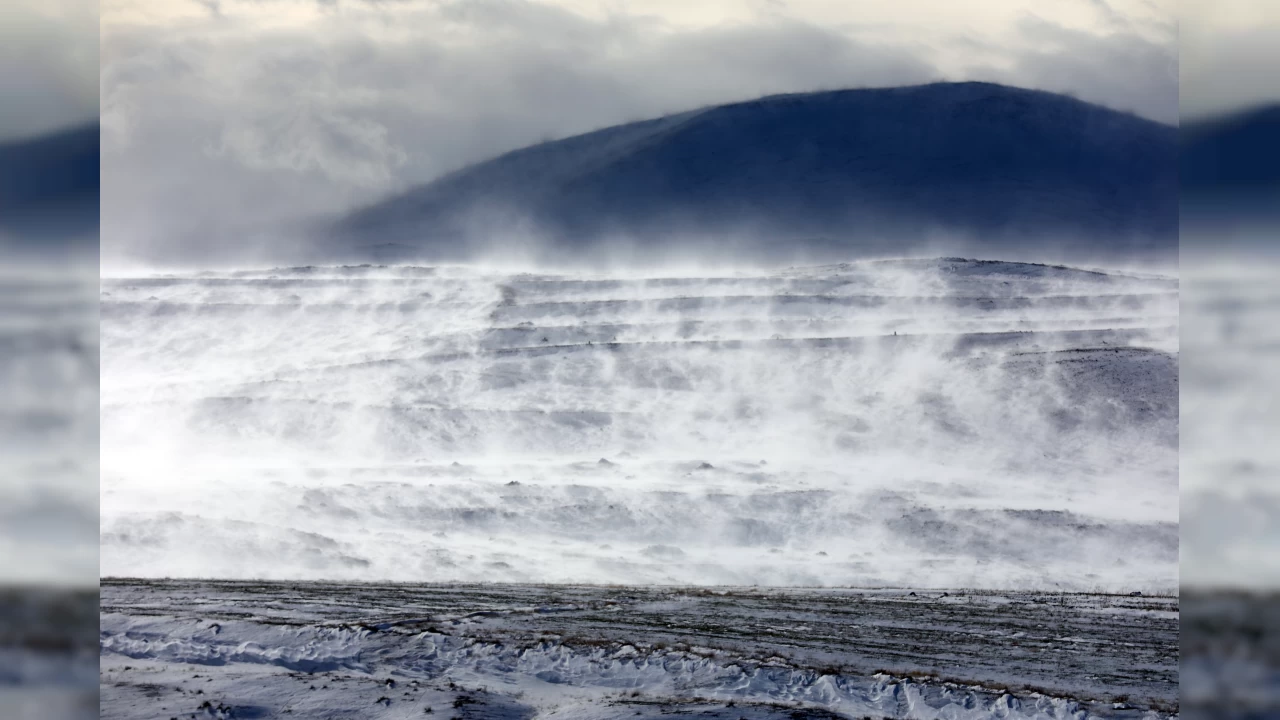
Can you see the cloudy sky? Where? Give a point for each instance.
(1229, 50)
(236, 114)
(48, 65)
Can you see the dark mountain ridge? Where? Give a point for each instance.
(49, 189)
(982, 167)
(1230, 172)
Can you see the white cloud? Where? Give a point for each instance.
(48, 65)
(1229, 51)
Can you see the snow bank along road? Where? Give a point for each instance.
(940, 423)
(322, 650)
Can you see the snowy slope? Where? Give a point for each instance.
(939, 423)
(1229, 467)
(1230, 461)
(48, 490)
(48, 425)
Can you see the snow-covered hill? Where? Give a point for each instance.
(48, 425)
(937, 423)
(1229, 459)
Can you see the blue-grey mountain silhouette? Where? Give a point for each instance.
(49, 187)
(853, 172)
(1230, 167)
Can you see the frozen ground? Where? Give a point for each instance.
(938, 423)
(311, 650)
(1230, 654)
(47, 657)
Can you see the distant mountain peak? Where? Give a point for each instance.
(1232, 152)
(1230, 174)
(865, 171)
(49, 188)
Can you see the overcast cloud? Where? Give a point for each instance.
(1230, 50)
(232, 115)
(48, 65)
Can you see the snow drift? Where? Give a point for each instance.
(933, 423)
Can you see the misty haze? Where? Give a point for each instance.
(850, 401)
(940, 423)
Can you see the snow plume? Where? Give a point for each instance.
(913, 422)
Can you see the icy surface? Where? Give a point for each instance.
(931, 423)
(246, 649)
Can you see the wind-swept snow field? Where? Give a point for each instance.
(924, 423)
(943, 425)
(49, 424)
(1230, 504)
(250, 649)
(48, 490)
